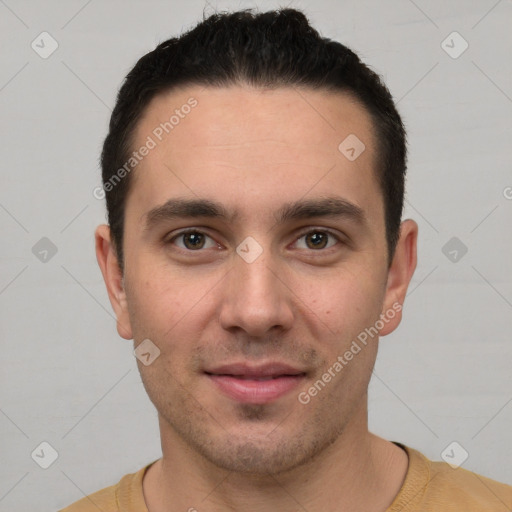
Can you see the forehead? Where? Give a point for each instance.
(255, 147)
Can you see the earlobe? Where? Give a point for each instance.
(114, 280)
(399, 275)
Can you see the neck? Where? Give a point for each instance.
(358, 472)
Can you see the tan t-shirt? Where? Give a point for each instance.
(428, 487)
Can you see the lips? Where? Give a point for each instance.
(255, 384)
(243, 370)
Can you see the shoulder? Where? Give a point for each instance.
(126, 495)
(439, 486)
(468, 489)
(104, 500)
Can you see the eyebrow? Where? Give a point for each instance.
(335, 207)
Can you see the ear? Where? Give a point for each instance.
(112, 275)
(399, 276)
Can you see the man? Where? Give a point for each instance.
(254, 177)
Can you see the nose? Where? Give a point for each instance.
(256, 298)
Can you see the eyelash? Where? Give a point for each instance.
(303, 234)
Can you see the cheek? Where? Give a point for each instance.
(154, 306)
(162, 310)
(344, 304)
(172, 310)
(161, 295)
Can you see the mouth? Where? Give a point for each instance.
(255, 385)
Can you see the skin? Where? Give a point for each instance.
(254, 150)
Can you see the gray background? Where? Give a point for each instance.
(68, 379)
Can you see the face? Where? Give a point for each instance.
(255, 255)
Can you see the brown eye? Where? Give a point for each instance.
(318, 240)
(193, 240)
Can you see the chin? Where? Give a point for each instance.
(254, 458)
(259, 449)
